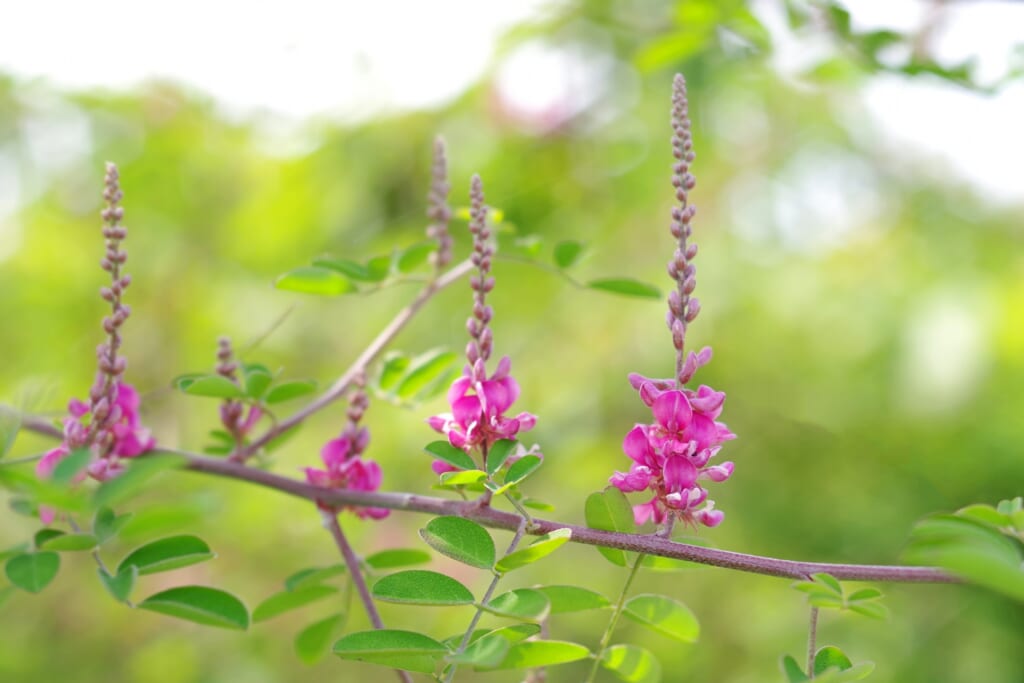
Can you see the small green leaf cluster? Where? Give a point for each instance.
(825, 591)
(830, 665)
(979, 543)
(409, 381)
(329, 276)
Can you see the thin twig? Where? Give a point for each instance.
(361, 363)
(356, 574)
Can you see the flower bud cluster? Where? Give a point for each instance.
(438, 210)
(342, 458)
(109, 422)
(481, 340)
(682, 307)
(237, 422)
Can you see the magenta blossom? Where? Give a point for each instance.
(672, 455)
(478, 411)
(347, 470)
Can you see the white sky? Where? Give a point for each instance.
(351, 59)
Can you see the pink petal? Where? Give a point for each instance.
(679, 473)
(672, 410)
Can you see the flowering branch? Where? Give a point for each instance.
(497, 519)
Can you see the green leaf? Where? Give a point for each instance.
(201, 604)
(32, 572)
(794, 674)
(626, 287)
(567, 253)
(213, 386)
(10, 424)
(830, 581)
(872, 610)
(522, 603)
(351, 269)
(450, 454)
(632, 664)
(314, 641)
(541, 548)
(424, 370)
(70, 542)
(464, 478)
(460, 539)
(137, 473)
(830, 657)
(312, 576)
(256, 382)
(290, 599)
(573, 599)
(392, 369)
(166, 554)
(609, 510)
(664, 615)
(106, 524)
(531, 654)
(44, 535)
(518, 472)
(119, 586)
(286, 391)
(397, 649)
(315, 280)
(378, 268)
(400, 557)
(499, 453)
(421, 587)
(71, 466)
(415, 256)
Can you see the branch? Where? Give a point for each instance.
(488, 516)
(359, 366)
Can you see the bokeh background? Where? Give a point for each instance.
(861, 267)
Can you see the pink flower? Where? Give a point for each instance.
(347, 470)
(671, 455)
(477, 418)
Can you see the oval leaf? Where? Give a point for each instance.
(214, 386)
(567, 253)
(397, 649)
(531, 654)
(70, 542)
(609, 510)
(632, 664)
(399, 557)
(499, 453)
(450, 454)
(166, 554)
(518, 472)
(201, 604)
(460, 539)
(289, 600)
(314, 641)
(286, 391)
(312, 576)
(424, 370)
(626, 287)
(542, 547)
(522, 603)
(315, 280)
(421, 587)
(664, 615)
(573, 599)
(32, 572)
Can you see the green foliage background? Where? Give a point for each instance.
(822, 321)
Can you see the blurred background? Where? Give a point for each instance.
(861, 270)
